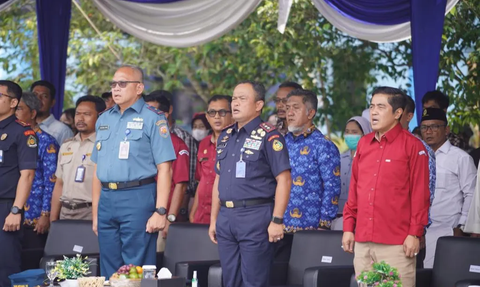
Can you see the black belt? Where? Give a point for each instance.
(128, 184)
(245, 203)
(75, 205)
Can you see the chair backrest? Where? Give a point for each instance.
(188, 242)
(70, 237)
(313, 248)
(456, 258)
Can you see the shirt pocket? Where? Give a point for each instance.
(135, 139)
(221, 162)
(251, 163)
(7, 157)
(67, 159)
(101, 145)
(394, 172)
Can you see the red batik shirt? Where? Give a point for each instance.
(389, 196)
(205, 173)
(180, 166)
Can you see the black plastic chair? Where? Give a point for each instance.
(69, 238)
(188, 248)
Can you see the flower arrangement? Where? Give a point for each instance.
(382, 275)
(72, 268)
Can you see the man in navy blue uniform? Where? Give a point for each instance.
(132, 147)
(252, 169)
(18, 161)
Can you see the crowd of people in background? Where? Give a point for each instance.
(118, 158)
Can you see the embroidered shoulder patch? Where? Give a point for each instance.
(155, 110)
(29, 133)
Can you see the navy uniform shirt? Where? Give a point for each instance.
(146, 130)
(265, 156)
(18, 151)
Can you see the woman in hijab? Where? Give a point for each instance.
(356, 128)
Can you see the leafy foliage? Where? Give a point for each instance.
(382, 275)
(340, 69)
(72, 268)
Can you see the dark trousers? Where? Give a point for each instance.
(245, 253)
(283, 248)
(33, 245)
(10, 247)
(122, 219)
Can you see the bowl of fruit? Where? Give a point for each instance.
(127, 276)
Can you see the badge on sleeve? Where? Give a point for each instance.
(277, 145)
(32, 141)
(163, 129)
(3, 137)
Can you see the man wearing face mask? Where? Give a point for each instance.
(200, 127)
(356, 128)
(315, 163)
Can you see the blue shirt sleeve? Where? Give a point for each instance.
(328, 157)
(49, 161)
(161, 143)
(277, 153)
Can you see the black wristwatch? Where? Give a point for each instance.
(161, 210)
(277, 220)
(16, 210)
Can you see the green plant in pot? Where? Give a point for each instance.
(382, 275)
(70, 269)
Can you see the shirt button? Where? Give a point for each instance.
(370, 218)
(371, 203)
(371, 189)
(381, 146)
(238, 141)
(228, 170)
(378, 160)
(233, 154)
(210, 171)
(374, 174)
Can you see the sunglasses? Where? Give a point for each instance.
(122, 84)
(221, 113)
(278, 100)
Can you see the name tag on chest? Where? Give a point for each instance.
(134, 125)
(252, 144)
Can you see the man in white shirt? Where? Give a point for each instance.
(473, 221)
(45, 91)
(455, 185)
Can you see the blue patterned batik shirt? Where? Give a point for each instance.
(44, 181)
(315, 163)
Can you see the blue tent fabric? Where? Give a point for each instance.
(53, 24)
(427, 18)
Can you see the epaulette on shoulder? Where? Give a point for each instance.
(155, 110)
(23, 124)
(268, 127)
(228, 127)
(104, 111)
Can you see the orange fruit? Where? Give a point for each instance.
(139, 270)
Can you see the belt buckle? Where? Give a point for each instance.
(112, 185)
(73, 205)
(229, 204)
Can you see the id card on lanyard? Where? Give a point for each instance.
(80, 174)
(124, 149)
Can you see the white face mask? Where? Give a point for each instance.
(199, 134)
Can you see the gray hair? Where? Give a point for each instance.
(31, 101)
(135, 68)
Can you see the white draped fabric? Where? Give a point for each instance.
(178, 24)
(369, 32)
(7, 4)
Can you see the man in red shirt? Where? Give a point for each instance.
(219, 116)
(389, 197)
(180, 170)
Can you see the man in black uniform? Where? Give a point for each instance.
(252, 169)
(18, 161)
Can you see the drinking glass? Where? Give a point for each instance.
(51, 272)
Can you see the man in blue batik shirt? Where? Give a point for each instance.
(315, 163)
(37, 208)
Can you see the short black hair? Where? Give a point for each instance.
(410, 107)
(159, 96)
(440, 98)
(99, 102)
(106, 95)
(309, 98)
(13, 89)
(70, 112)
(219, 98)
(47, 85)
(292, 85)
(416, 131)
(259, 89)
(396, 97)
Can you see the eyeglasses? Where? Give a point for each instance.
(222, 113)
(278, 100)
(122, 84)
(8, 96)
(434, 128)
